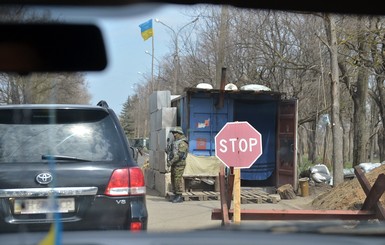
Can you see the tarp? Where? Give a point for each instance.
(264, 167)
(197, 166)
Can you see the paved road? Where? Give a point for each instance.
(165, 216)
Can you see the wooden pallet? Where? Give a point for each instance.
(257, 196)
(247, 196)
(196, 196)
(201, 196)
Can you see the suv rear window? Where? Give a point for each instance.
(30, 135)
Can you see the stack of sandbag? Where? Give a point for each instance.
(368, 166)
(320, 174)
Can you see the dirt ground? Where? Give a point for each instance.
(346, 196)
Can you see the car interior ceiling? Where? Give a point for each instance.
(93, 58)
(353, 7)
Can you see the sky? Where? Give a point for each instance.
(128, 61)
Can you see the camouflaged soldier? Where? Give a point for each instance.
(177, 162)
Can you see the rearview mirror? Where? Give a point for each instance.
(52, 47)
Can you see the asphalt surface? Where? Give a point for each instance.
(165, 216)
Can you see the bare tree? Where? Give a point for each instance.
(330, 28)
(44, 88)
(291, 53)
(357, 51)
(377, 90)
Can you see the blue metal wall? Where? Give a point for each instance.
(262, 115)
(201, 117)
(205, 122)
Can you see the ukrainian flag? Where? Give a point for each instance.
(146, 29)
(53, 236)
(50, 238)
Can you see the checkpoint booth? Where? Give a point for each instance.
(203, 112)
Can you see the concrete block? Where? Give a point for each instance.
(149, 176)
(163, 134)
(162, 162)
(165, 117)
(153, 141)
(152, 159)
(163, 183)
(159, 99)
(153, 121)
(156, 161)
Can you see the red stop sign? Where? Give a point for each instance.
(238, 144)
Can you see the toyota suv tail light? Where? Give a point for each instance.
(126, 181)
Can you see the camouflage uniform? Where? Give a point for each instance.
(178, 163)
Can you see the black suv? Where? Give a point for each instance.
(70, 163)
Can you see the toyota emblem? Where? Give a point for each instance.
(44, 178)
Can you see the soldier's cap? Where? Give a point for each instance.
(177, 130)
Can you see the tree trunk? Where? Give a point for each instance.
(360, 101)
(381, 144)
(381, 107)
(350, 159)
(372, 139)
(312, 146)
(223, 33)
(345, 144)
(335, 92)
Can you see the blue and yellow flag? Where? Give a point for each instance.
(53, 236)
(146, 29)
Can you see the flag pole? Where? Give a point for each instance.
(152, 63)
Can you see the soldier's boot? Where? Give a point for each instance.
(173, 197)
(178, 198)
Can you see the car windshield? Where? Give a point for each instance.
(196, 117)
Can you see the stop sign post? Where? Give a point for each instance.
(238, 144)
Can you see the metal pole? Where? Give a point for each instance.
(176, 57)
(153, 67)
(152, 64)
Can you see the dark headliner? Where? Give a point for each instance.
(352, 7)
